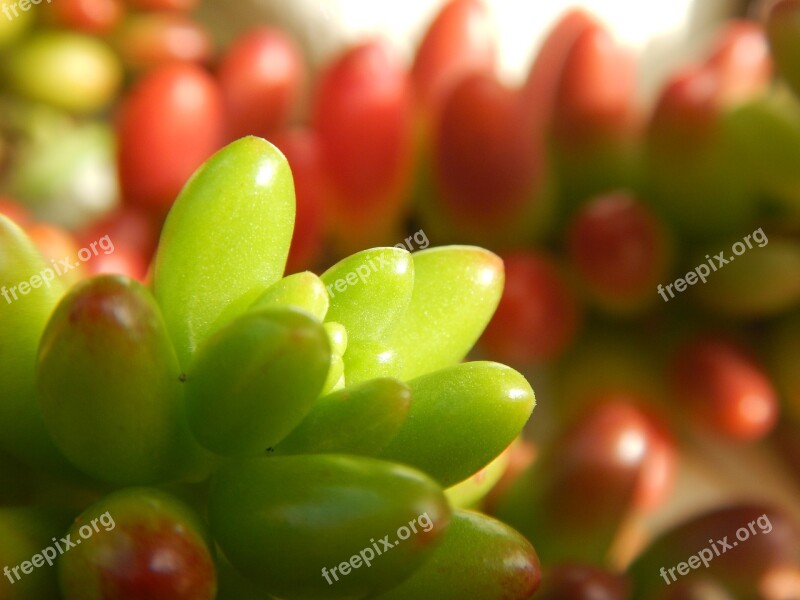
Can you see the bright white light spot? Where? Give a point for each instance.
(631, 447)
(402, 267)
(385, 357)
(265, 174)
(487, 276)
(516, 393)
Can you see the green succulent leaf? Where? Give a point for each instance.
(22, 320)
(107, 358)
(291, 523)
(225, 240)
(461, 418)
(359, 419)
(335, 380)
(369, 291)
(145, 523)
(255, 379)
(456, 291)
(370, 359)
(337, 336)
(480, 559)
(469, 493)
(300, 290)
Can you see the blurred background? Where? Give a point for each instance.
(605, 149)
(661, 35)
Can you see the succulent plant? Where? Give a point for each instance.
(306, 416)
